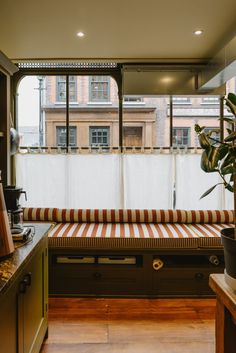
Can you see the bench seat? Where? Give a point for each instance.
(135, 235)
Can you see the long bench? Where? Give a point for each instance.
(133, 252)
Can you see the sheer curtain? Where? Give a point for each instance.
(151, 181)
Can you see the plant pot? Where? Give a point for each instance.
(229, 243)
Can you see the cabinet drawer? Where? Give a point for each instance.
(183, 281)
(97, 279)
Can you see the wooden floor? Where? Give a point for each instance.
(88, 325)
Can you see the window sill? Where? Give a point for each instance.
(64, 103)
(99, 103)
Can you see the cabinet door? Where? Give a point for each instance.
(8, 321)
(33, 303)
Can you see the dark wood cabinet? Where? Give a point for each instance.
(184, 273)
(24, 304)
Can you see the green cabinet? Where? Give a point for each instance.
(24, 305)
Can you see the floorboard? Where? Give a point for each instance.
(94, 325)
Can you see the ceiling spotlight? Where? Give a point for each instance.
(80, 34)
(198, 32)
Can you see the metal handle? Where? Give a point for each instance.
(26, 282)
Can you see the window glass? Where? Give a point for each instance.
(99, 89)
(99, 136)
(181, 137)
(61, 136)
(61, 89)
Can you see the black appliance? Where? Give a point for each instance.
(15, 212)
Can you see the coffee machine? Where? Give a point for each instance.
(15, 212)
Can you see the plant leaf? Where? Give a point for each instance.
(210, 159)
(229, 187)
(204, 140)
(209, 191)
(231, 137)
(198, 128)
(231, 103)
(229, 120)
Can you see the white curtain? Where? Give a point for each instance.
(192, 182)
(148, 181)
(151, 181)
(70, 181)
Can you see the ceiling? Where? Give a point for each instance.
(124, 30)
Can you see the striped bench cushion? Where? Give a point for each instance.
(122, 235)
(127, 216)
(121, 216)
(40, 214)
(209, 234)
(210, 216)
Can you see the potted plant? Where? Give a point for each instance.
(220, 157)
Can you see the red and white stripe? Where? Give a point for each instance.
(209, 230)
(122, 230)
(121, 216)
(210, 216)
(40, 214)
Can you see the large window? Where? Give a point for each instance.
(61, 89)
(99, 136)
(61, 136)
(181, 136)
(99, 90)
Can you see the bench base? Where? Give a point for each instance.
(178, 273)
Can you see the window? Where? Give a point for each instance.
(99, 89)
(181, 100)
(181, 136)
(210, 100)
(61, 89)
(99, 136)
(61, 136)
(133, 99)
(133, 136)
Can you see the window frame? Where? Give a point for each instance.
(97, 144)
(99, 81)
(71, 128)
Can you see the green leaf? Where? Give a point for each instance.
(223, 150)
(209, 191)
(231, 106)
(229, 120)
(231, 137)
(229, 187)
(204, 140)
(198, 129)
(229, 169)
(210, 159)
(232, 151)
(232, 98)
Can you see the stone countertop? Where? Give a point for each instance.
(11, 266)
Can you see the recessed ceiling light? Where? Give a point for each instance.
(198, 32)
(80, 34)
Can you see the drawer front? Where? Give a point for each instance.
(97, 279)
(183, 281)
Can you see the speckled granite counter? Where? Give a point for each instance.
(10, 267)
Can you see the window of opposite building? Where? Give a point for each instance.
(61, 136)
(133, 136)
(181, 100)
(181, 136)
(99, 88)
(99, 136)
(61, 88)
